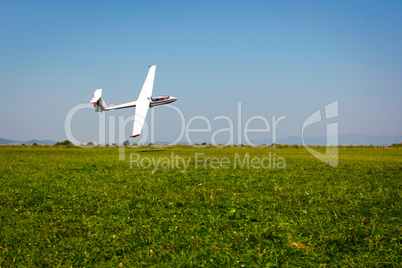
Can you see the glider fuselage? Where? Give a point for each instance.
(161, 100)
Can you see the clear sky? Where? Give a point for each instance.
(278, 58)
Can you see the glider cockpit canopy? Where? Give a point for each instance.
(160, 98)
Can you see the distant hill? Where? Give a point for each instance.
(354, 139)
(4, 141)
(30, 142)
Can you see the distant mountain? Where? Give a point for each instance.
(30, 142)
(4, 141)
(353, 139)
(368, 140)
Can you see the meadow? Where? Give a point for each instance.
(206, 207)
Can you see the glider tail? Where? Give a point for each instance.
(98, 102)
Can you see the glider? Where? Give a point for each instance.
(142, 103)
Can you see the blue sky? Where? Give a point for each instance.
(278, 58)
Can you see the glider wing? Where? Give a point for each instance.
(143, 102)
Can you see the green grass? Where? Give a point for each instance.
(82, 206)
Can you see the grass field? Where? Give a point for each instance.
(64, 206)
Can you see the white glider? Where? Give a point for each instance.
(142, 103)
